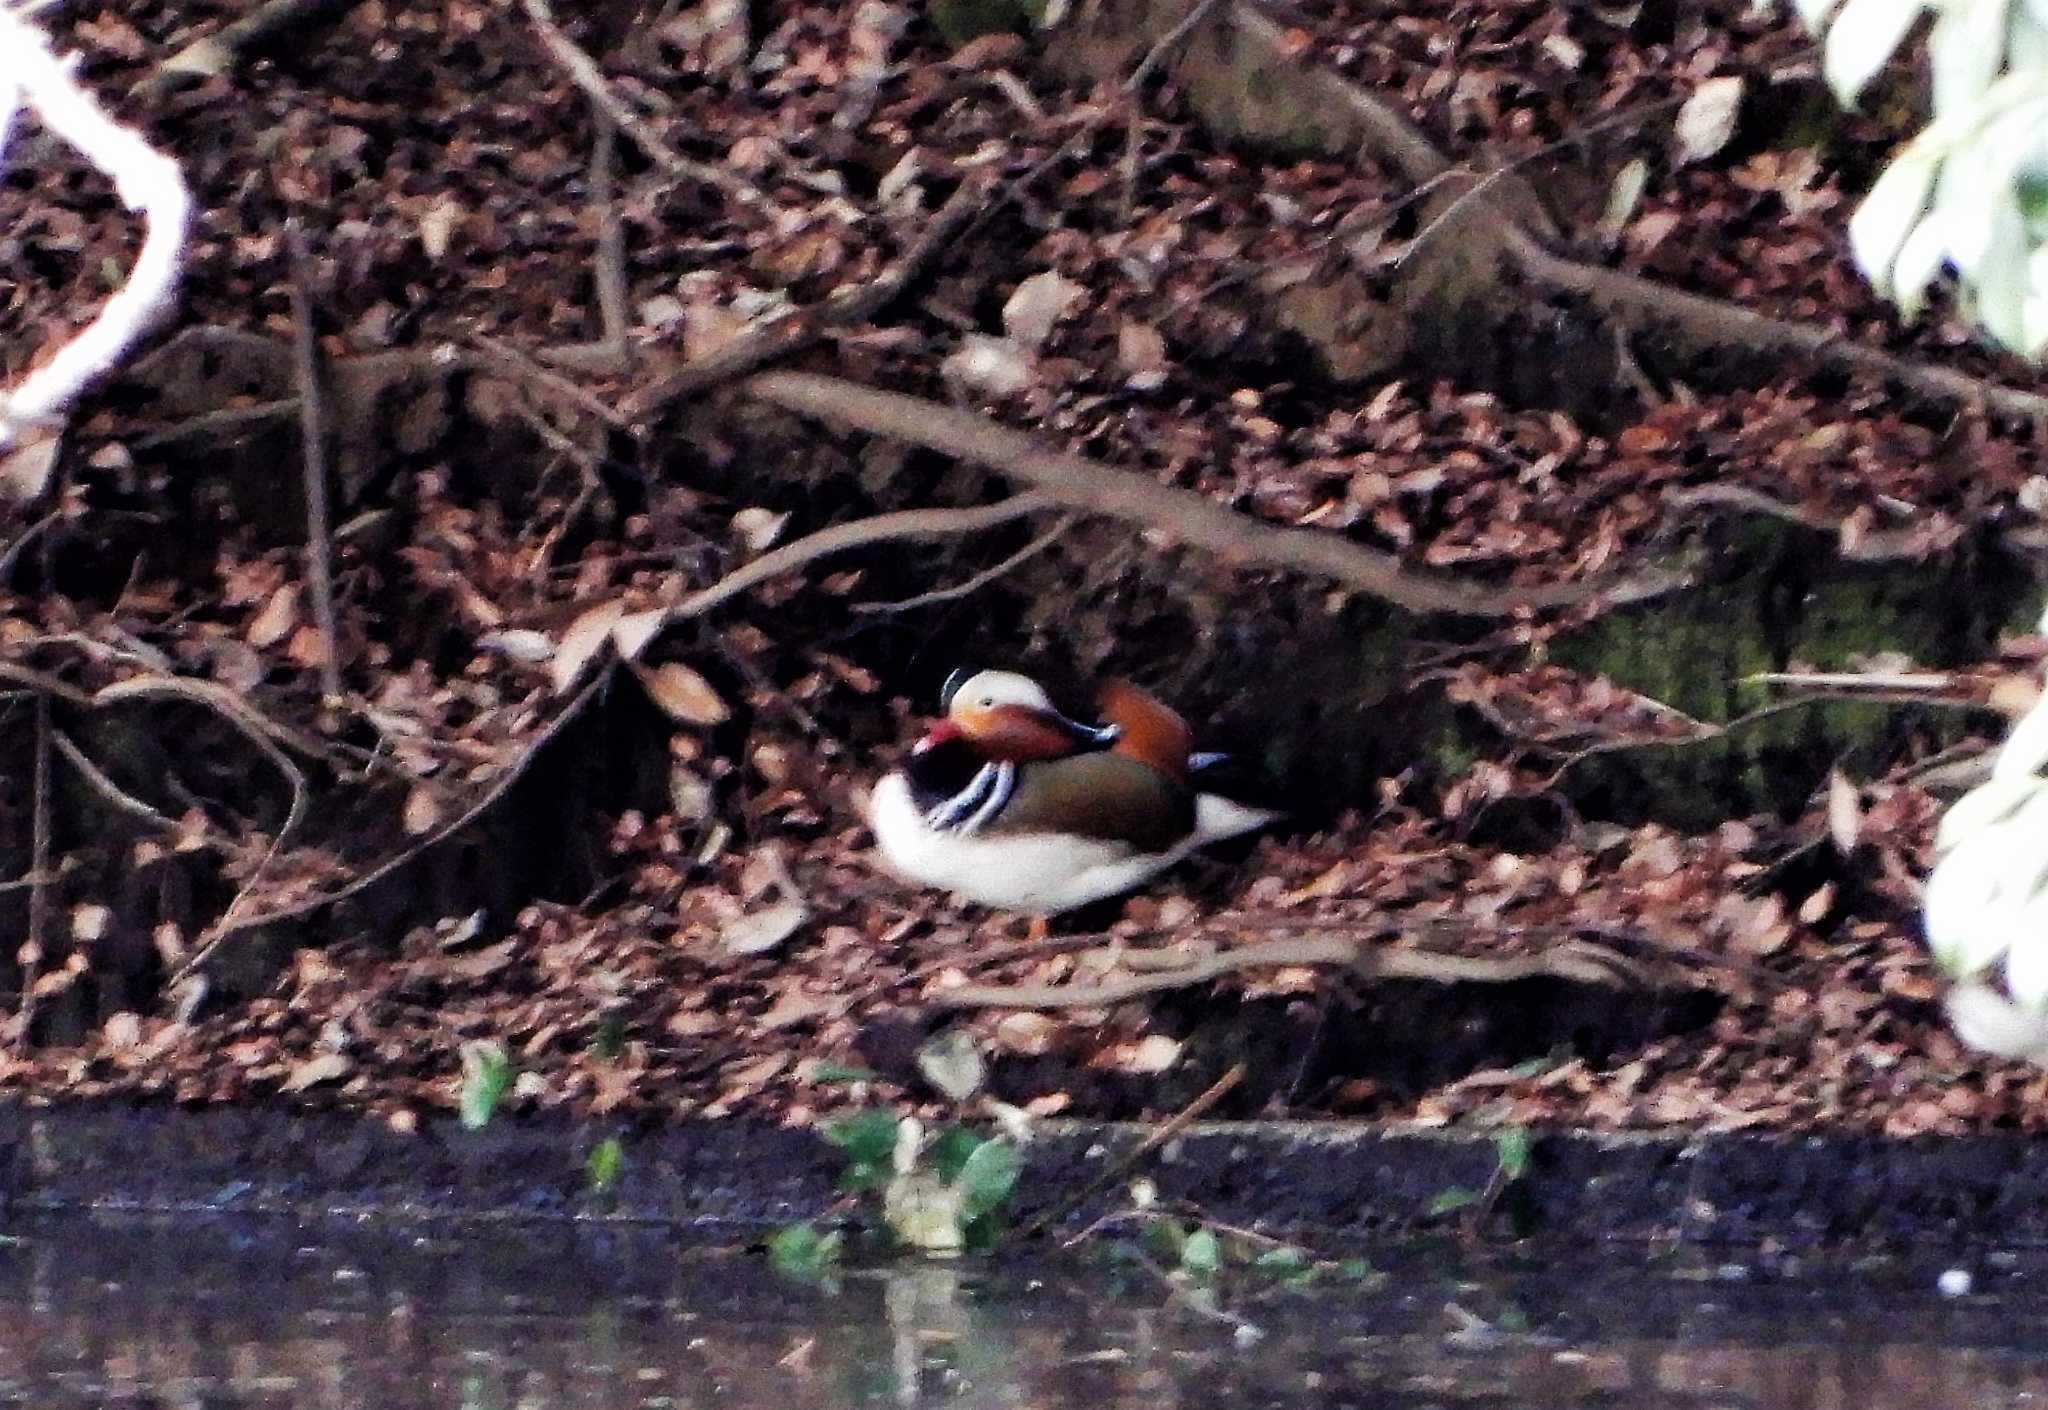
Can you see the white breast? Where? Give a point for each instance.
(1039, 873)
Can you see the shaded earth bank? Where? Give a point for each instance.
(1399, 393)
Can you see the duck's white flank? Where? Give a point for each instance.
(1039, 873)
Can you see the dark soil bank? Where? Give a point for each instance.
(1328, 1180)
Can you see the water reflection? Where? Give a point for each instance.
(343, 1316)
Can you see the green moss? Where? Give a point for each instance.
(1785, 602)
(959, 21)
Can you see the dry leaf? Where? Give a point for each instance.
(951, 1062)
(327, 1067)
(1039, 303)
(585, 637)
(519, 644)
(682, 694)
(421, 812)
(1707, 120)
(1845, 812)
(25, 467)
(279, 616)
(759, 528)
(758, 932)
(1031, 1034)
(438, 226)
(996, 366)
(1814, 909)
(308, 647)
(1150, 1055)
(631, 633)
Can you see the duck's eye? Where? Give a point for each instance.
(988, 702)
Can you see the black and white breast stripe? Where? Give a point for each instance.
(974, 806)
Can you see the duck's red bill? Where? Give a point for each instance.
(939, 733)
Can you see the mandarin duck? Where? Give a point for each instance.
(1007, 802)
(1987, 899)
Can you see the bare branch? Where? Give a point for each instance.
(313, 457)
(1081, 483)
(1578, 961)
(31, 953)
(608, 270)
(586, 75)
(980, 580)
(122, 800)
(877, 528)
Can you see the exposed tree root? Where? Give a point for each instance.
(1081, 483)
(1499, 212)
(1579, 960)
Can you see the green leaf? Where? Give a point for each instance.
(866, 1136)
(603, 1166)
(1291, 1267)
(983, 1235)
(869, 1140)
(803, 1252)
(609, 1040)
(1356, 1269)
(1451, 1200)
(1281, 1261)
(987, 1177)
(1201, 1255)
(827, 1073)
(486, 1077)
(1166, 1237)
(950, 1151)
(1511, 1146)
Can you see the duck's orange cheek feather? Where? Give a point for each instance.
(1012, 733)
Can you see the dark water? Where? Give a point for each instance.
(213, 1313)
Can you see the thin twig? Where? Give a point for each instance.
(501, 783)
(122, 800)
(218, 698)
(313, 456)
(43, 683)
(583, 71)
(1168, 42)
(1134, 126)
(511, 361)
(876, 528)
(31, 954)
(793, 331)
(608, 269)
(1089, 485)
(1628, 117)
(1154, 1139)
(980, 580)
(12, 553)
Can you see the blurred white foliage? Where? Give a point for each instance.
(1970, 193)
(33, 77)
(1987, 901)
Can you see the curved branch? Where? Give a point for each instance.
(1085, 484)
